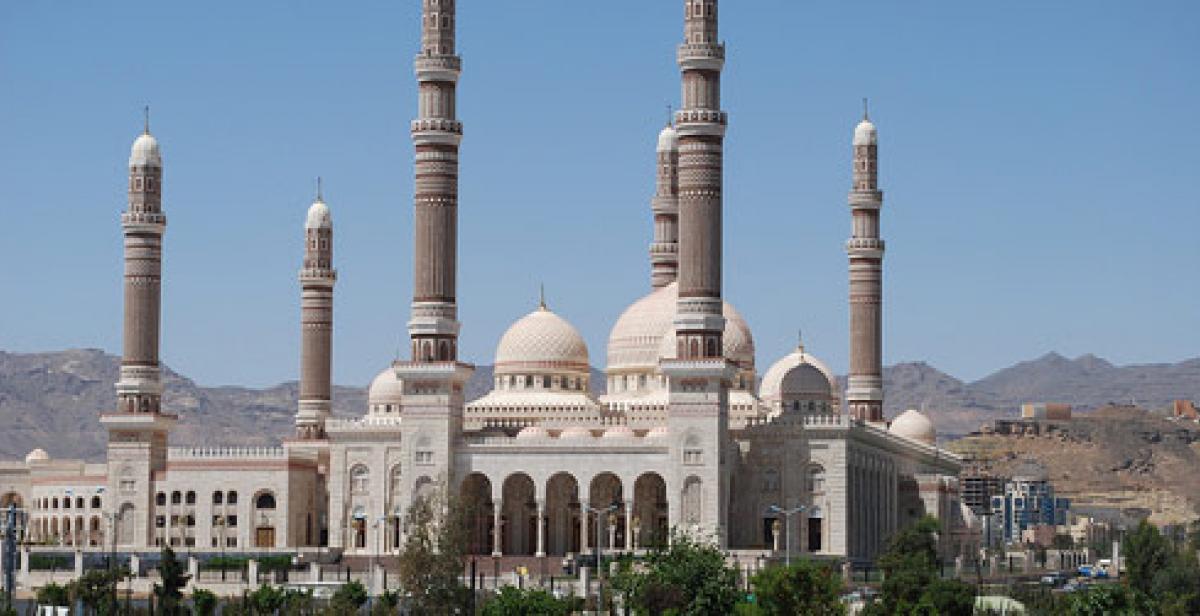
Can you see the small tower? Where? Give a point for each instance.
(664, 250)
(317, 278)
(138, 429)
(864, 391)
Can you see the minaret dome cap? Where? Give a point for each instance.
(668, 139)
(319, 216)
(144, 152)
(865, 133)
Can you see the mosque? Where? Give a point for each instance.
(685, 437)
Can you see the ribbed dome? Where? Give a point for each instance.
(544, 342)
(772, 382)
(145, 152)
(640, 337)
(865, 133)
(668, 140)
(805, 380)
(914, 425)
(386, 388)
(318, 216)
(37, 455)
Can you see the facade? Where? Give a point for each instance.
(685, 436)
(1028, 501)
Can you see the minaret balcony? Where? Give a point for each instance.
(701, 116)
(701, 56)
(438, 68)
(437, 125)
(865, 247)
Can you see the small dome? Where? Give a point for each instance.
(865, 133)
(145, 152)
(576, 432)
(318, 216)
(771, 388)
(619, 432)
(532, 432)
(637, 341)
(914, 425)
(658, 432)
(541, 341)
(386, 388)
(804, 381)
(37, 455)
(668, 139)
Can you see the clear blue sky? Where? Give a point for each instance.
(1039, 159)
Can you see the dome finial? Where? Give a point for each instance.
(319, 196)
(146, 120)
(541, 296)
(800, 340)
(866, 111)
(670, 115)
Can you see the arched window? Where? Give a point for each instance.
(360, 479)
(66, 502)
(218, 497)
(190, 498)
(231, 498)
(176, 497)
(79, 502)
(266, 500)
(160, 499)
(816, 479)
(96, 502)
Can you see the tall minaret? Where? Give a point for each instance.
(698, 381)
(864, 391)
(317, 278)
(436, 133)
(664, 251)
(701, 127)
(138, 429)
(139, 389)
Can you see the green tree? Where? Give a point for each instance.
(947, 598)
(685, 578)
(1145, 552)
(1110, 600)
(802, 588)
(173, 577)
(512, 601)
(911, 582)
(204, 602)
(349, 598)
(53, 594)
(95, 589)
(434, 554)
(386, 603)
(267, 599)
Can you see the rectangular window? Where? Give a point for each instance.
(231, 542)
(160, 521)
(231, 521)
(425, 458)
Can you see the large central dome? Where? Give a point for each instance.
(541, 341)
(638, 340)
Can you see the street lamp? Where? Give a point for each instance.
(11, 528)
(600, 513)
(787, 520)
(378, 528)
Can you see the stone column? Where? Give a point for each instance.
(541, 529)
(78, 563)
(583, 526)
(497, 530)
(252, 571)
(629, 525)
(193, 569)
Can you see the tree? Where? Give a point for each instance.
(1145, 552)
(169, 593)
(53, 594)
(95, 589)
(349, 598)
(911, 582)
(204, 602)
(512, 601)
(947, 598)
(803, 588)
(1109, 600)
(267, 599)
(433, 559)
(686, 578)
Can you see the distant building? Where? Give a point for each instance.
(1028, 500)
(1184, 409)
(1046, 410)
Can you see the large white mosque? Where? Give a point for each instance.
(685, 437)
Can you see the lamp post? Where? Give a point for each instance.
(11, 528)
(378, 528)
(600, 513)
(787, 520)
(114, 518)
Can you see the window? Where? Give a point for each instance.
(79, 502)
(771, 480)
(191, 520)
(231, 521)
(231, 542)
(425, 458)
(218, 498)
(360, 479)
(160, 521)
(66, 502)
(96, 502)
(160, 499)
(190, 498)
(693, 456)
(231, 498)
(816, 480)
(266, 500)
(176, 497)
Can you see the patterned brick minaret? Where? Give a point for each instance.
(317, 278)
(139, 389)
(864, 391)
(701, 127)
(436, 133)
(664, 251)
(699, 380)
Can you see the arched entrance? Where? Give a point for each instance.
(562, 515)
(264, 519)
(519, 515)
(605, 497)
(650, 511)
(476, 499)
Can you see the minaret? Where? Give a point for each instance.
(864, 391)
(138, 429)
(139, 389)
(436, 134)
(701, 127)
(699, 380)
(317, 278)
(664, 250)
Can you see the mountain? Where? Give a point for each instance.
(52, 400)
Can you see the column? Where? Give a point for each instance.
(629, 525)
(583, 526)
(541, 528)
(497, 530)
